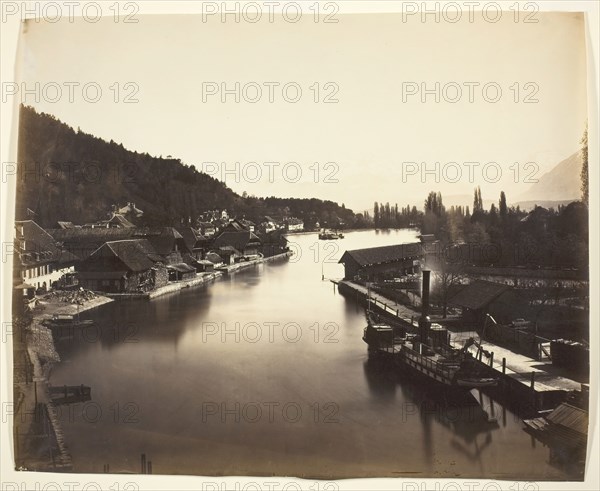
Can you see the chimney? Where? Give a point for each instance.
(424, 320)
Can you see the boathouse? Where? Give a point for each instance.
(374, 262)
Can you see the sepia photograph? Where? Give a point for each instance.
(291, 245)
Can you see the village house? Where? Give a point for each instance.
(116, 221)
(123, 266)
(196, 243)
(246, 242)
(207, 229)
(166, 241)
(294, 225)
(40, 262)
(229, 254)
(130, 210)
(273, 243)
(238, 224)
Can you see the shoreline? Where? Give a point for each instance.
(200, 279)
(34, 345)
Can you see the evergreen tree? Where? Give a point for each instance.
(503, 207)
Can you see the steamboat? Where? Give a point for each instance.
(427, 352)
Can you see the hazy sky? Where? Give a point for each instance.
(373, 128)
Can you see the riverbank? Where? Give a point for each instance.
(200, 279)
(39, 441)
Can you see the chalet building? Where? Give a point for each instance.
(115, 221)
(81, 242)
(229, 254)
(238, 225)
(269, 224)
(207, 229)
(40, 262)
(123, 266)
(273, 243)
(248, 224)
(294, 225)
(195, 242)
(246, 242)
(130, 210)
(375, 262)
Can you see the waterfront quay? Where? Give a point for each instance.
(530, 385)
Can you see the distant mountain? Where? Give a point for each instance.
(562, 183)
(531, 204)
(73, 176)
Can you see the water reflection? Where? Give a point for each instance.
(170, 368)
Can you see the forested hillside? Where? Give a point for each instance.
(70, 175)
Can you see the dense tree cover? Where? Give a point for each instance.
(386, 216)
(503, 236)
(69, 175)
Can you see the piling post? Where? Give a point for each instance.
(532, 380)
(503, 366)
(149, 467)
(35, 390)
(143, 463)
(492, 359)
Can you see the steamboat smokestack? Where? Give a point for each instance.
(424, 320)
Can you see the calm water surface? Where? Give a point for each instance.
(265, 373)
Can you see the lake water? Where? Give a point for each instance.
(265, 373)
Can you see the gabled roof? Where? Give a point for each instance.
(182, 268)
(567, 425)
(384, 254)
(239, 240)
(478, 294)
(213, 258)
(120, 220)
(83, 241)
(229, 250)
(40, 246)
(191, 237)
(574, 418)
(132, 253)
(235, 226)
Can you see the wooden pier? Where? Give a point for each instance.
(403, 313)
(68, 394)
(529, 385)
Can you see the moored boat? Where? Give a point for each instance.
(63, 320)
(428, 353)
(329, 235)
